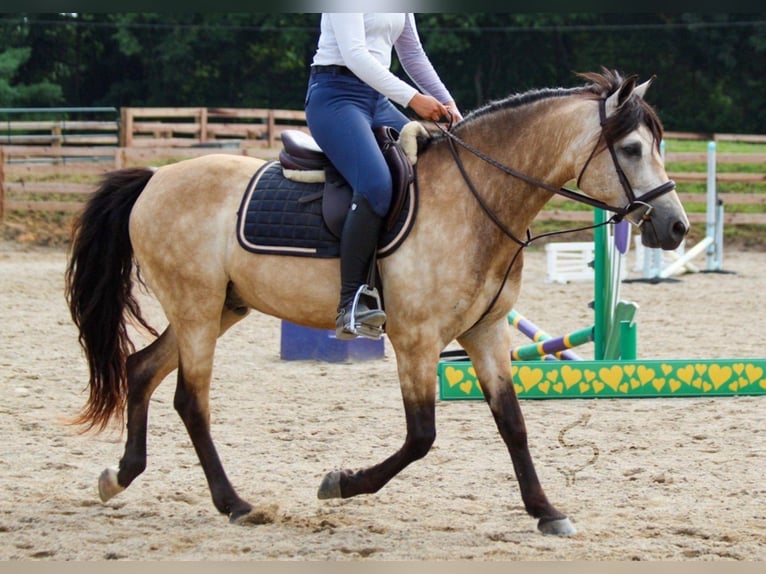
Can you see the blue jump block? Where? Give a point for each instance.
(304, 343)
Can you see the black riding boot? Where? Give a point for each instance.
(357, 245)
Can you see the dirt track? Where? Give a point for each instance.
(675, 479)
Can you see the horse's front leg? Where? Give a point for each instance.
(489, 350)
(417, 368)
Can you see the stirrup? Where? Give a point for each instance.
(372, 303)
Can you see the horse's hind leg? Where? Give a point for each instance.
(489, 350)
(145, 371)
(192, 398)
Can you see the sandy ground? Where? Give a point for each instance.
(675, 479)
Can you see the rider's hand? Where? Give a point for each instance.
(428, 107)
(454, 114)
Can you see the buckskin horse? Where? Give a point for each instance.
(480, 184)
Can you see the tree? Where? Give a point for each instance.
(42, 93)
(711, 69)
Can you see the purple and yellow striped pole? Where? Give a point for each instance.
(545, 344)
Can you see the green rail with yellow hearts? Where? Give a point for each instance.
(605, 379)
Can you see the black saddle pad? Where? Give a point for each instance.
(279, 216)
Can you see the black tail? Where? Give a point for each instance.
(99, 291)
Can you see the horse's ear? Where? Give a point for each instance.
(621, 95)
(641, 89)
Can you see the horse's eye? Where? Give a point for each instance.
(632, 150)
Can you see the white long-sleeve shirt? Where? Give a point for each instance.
(363, 43)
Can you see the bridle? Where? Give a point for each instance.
(637, 211)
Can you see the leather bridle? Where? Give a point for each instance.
(637, 211)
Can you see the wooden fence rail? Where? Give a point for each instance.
(150, 127)
(59, 177)
(31, 175)
(153, 127)
(187, 126)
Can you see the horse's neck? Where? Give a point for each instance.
(537, 141)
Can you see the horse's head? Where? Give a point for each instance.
(624, 169)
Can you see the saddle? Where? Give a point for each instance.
(302, 160)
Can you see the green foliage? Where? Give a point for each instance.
(710, 67)
(12, 94)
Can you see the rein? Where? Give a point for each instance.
(619, 212)
(636, 204)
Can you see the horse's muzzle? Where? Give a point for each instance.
(664, 234)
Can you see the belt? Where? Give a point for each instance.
(337, 70)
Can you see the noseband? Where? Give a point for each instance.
(637, 211)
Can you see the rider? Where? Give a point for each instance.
(349, 93)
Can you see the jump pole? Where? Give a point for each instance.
(545, 345)
(711, 244)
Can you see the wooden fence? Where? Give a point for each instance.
(59, 126)
(59, 178)
(155, 127)
(148, 127)
(56, 177)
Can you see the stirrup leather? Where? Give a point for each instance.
(372, 302)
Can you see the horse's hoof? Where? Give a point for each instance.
(330, 487)
(108, 485)
(559, 527)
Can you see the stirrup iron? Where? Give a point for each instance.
(372, 302)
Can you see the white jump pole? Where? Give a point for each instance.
(713, 215)
(684, 260)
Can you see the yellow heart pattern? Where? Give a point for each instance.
(600, 378)
(611, 376)
(453, 376)
(645, 374)
(686, 374)
(753, 373)
(719, 375)
(530, 377)
(571, 376)
(598, 387)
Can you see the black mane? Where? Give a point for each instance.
(522, 99)
(602, 84)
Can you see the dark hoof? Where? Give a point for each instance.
(330, 487)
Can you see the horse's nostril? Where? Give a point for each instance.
(679, 229)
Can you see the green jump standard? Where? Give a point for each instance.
(541, 379)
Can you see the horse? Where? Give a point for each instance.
(480, 184)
